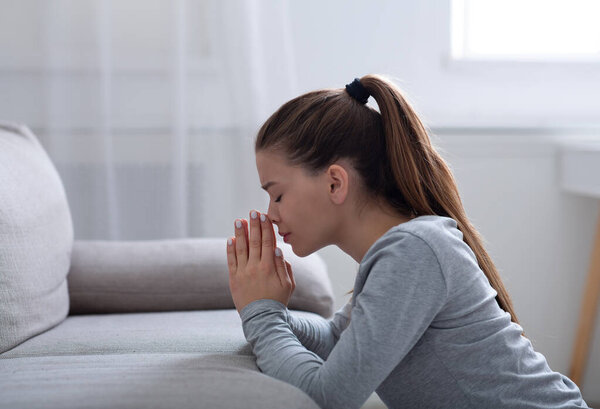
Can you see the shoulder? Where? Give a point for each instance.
(416, 244)
(429, 235)
(458, 263)
(441, 234)
(427, 242)
(403, 259)
(431, 229)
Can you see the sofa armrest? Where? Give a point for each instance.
(175, 275)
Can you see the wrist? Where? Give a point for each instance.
(255, 307)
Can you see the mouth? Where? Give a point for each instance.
(285, 236)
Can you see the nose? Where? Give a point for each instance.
(271, 214)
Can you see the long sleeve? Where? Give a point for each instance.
(404, 290)
(318, 334)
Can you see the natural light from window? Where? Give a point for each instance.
(525, 30)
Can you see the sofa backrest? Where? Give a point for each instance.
(36, 239)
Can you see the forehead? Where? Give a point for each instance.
(273, 167)
(270, 160)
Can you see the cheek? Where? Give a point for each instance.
(315, 212)
(295, 212)
(305, 212)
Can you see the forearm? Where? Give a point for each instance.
(318, 334)
(278, 351)
(280, 354)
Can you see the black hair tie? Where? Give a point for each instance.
(358, 91)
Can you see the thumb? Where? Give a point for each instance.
(280, 266)
(291, 275)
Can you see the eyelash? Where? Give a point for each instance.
(278, 199)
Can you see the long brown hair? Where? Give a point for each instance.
(390, 150)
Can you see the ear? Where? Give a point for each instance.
(337, 183)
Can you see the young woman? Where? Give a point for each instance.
(430, 323)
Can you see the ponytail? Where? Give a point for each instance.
(422, 176)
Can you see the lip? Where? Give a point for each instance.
(285, 237)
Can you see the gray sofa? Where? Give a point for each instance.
(138, 324)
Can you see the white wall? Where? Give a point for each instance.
(338, 40)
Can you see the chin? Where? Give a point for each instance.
(299, 253)
(303, 252)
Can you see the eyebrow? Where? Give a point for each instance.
(267, 185)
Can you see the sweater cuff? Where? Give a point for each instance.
(263, 305)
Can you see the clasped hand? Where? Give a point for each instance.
(257, 269)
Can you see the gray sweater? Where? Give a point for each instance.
(423, 329)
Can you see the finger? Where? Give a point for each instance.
(291, 275)
(231, 258)
(246, 233)
(268, 235)
(241, 246)
(255, 241)
(273, 231)
(281, 268)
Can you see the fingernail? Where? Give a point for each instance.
(262, 218)
(278, 252)
(238, 224)
(229, 242)
(253, 214)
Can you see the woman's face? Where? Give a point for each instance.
(299, 204)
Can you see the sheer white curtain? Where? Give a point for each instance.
(148, 108)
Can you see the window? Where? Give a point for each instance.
(520, 30)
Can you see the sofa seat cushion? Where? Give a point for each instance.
(210, 331)
(153, 380)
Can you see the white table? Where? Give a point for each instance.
(580, 174)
